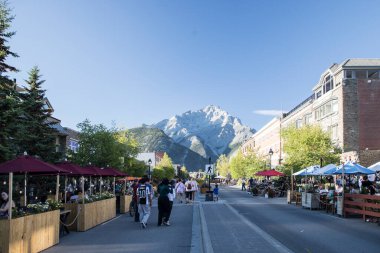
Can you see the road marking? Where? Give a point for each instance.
(206, 241)
(267, 237)
(104, 223)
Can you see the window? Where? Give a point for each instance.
(349, 74)
(326, 109)
(298, 123)
(308, 119)
(318, 94)
(328, 85)
(361, 74)
(334, 132)
(373, 74)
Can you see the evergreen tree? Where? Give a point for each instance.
(40, 138)
(10, 110)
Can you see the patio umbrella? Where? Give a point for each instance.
(270, 173)
(309, 171)
(322, 171)
(220, 177)
(353, 169)
(375, 167)
(32, 165)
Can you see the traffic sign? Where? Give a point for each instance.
(209, 169)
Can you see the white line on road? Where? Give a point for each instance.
(267, 237)
(104, 223)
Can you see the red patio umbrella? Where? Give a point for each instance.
(270, 173)
(74, 169)
(31, 165)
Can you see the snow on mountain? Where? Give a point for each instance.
(210, 131)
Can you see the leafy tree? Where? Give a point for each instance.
(164, 168)
(246, 165)
(223, 165)
(306, 146)
(99, 146)
(40, 139)
(11, 111)
(135, 168)
(184, 173)
(237, 166)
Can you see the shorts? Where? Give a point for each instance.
(189, 195)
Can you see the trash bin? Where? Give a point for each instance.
(209, 196)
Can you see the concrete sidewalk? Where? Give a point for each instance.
(122, 234)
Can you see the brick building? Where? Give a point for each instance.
(345, 102)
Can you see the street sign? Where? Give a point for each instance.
(209, 169)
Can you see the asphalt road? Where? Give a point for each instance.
(302, 230)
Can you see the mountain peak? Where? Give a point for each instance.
(210, 131)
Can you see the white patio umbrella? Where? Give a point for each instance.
(375, 167)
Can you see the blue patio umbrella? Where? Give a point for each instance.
(353, 169)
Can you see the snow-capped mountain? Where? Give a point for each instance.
(210, 131)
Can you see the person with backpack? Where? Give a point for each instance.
(145, 202)
(189, 192)
(163, 202)
(180, 190)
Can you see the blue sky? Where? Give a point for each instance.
(137, 62)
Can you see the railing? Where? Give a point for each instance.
(299, 105)
(365, 205)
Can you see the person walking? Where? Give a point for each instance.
(171, 196)
(163, 202)
(145, 202)
(243, 185)
(188, 190)
(180, 190)
(194, 189)
(135, 204)
(6, 206)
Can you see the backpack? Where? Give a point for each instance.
(189, 187)
(142, 194)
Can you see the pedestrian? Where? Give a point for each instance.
(163, 202)
(189, 193)
(6, 206)
(135, 187)
(243, 185)
(194, 189)
(171, 196)
(216, 192)
(145, 202)
(180, 190)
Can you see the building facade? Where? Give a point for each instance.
(345, 102)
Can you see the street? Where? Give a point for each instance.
(237, 223)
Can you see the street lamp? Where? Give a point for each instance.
(149, 162)
(270, 158)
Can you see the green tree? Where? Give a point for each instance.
(40, 139)
(164, 168)
(237, 166)
(11, 111)
(306, 146)
(103, 147)
(246, 165)
(223, 165)
(135, 168)
(184, 173)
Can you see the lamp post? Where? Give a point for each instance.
(149, 162)
(270, 158)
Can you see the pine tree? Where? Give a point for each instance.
(40, 133)
(10, 109)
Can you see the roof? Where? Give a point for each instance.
(59, 128)
(361, 63)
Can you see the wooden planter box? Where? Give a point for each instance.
(125, 201)
(29, 234)
(90, 214)
(204, 190)
(310, 200)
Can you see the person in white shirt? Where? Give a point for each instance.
(194, 189)
(180, 190)
(188, 190)
(171, 196)
(144, 198)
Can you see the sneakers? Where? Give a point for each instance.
(167, 223)
(143, 225)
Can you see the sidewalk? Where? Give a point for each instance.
(122, 234)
